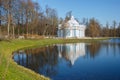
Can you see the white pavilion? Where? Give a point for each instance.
(72, 29)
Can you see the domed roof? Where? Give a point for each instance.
(72, 22)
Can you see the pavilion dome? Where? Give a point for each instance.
(72, 22)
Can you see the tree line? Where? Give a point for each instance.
(95, 29)
(26, 17)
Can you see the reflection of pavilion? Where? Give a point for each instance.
(71, 52)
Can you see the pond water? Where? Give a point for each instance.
(74, 61)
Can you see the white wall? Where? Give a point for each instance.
(71, 33)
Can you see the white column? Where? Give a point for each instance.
(83, 33)
(61, 33)
(80, 33)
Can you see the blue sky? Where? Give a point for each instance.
(103, 10)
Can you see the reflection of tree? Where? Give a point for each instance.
(119, 47)
(41, 60)
(114, 48)
(111, 48)
(94, 48)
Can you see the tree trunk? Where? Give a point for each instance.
(18, 30)
(8, 28)
(45, 30)
(0, 23)
(13, 32)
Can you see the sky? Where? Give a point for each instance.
(102, 10)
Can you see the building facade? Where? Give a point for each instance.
(72, 29)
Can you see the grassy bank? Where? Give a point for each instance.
(9, 70)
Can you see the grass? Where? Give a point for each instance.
(9, 70)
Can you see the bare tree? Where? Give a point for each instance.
(118, 30)
(8, 6)
(94, 28)
(105, 31)
(51, 21)
(68, 15)
(114, 28)
(47, 19)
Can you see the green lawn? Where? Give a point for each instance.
(9, 70)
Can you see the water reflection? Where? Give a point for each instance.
(75, 61)
(45, 60)
(93, 49)
(71, 52)
(41, 60)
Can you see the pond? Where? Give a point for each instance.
(74, 61)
